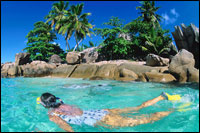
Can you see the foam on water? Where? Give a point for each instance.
(20, 113)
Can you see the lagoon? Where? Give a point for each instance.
(20, 113)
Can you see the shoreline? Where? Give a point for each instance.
(122, 70)
(179, 68)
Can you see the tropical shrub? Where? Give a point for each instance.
(145, 32)
(114, 47)
(148, 32)
(40, 44)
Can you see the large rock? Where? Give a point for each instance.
(84, 71)
(55, 59)
(6, 67)
(138, 69)
(126, 75)
(13, 71)
(182, 67)
(141, 77)
(155, 60)
(159, 77)
(38, 69)
(183, 58)
(74, 58)
(108, 71)
(22, 58)
(188, 38)
(63, 70)
(90, 55)
(193, 75)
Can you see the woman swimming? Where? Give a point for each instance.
(64, 114)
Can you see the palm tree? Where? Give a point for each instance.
(148, 10)
(56, 17)
(69, 22)
(77, 24)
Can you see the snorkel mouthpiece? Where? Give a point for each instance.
(38, 100)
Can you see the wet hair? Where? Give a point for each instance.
(49, 100)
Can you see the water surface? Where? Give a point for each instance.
(20, 113)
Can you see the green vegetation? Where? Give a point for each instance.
(56, 15)
(147, 10)
(113, 47)
(134, 40)
(39, 45)
(84, 46)
(138, 38)
(70, 21)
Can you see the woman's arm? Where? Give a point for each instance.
(61, 123)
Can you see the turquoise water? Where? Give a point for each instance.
(20, 113)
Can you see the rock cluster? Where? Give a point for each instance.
(38, 69)
(180, 69)
(188, 38)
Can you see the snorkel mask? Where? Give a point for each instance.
(38, 101)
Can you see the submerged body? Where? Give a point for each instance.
(73, 115)
(67, 114)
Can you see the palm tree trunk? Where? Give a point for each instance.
(77, 43)
(67, 44)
